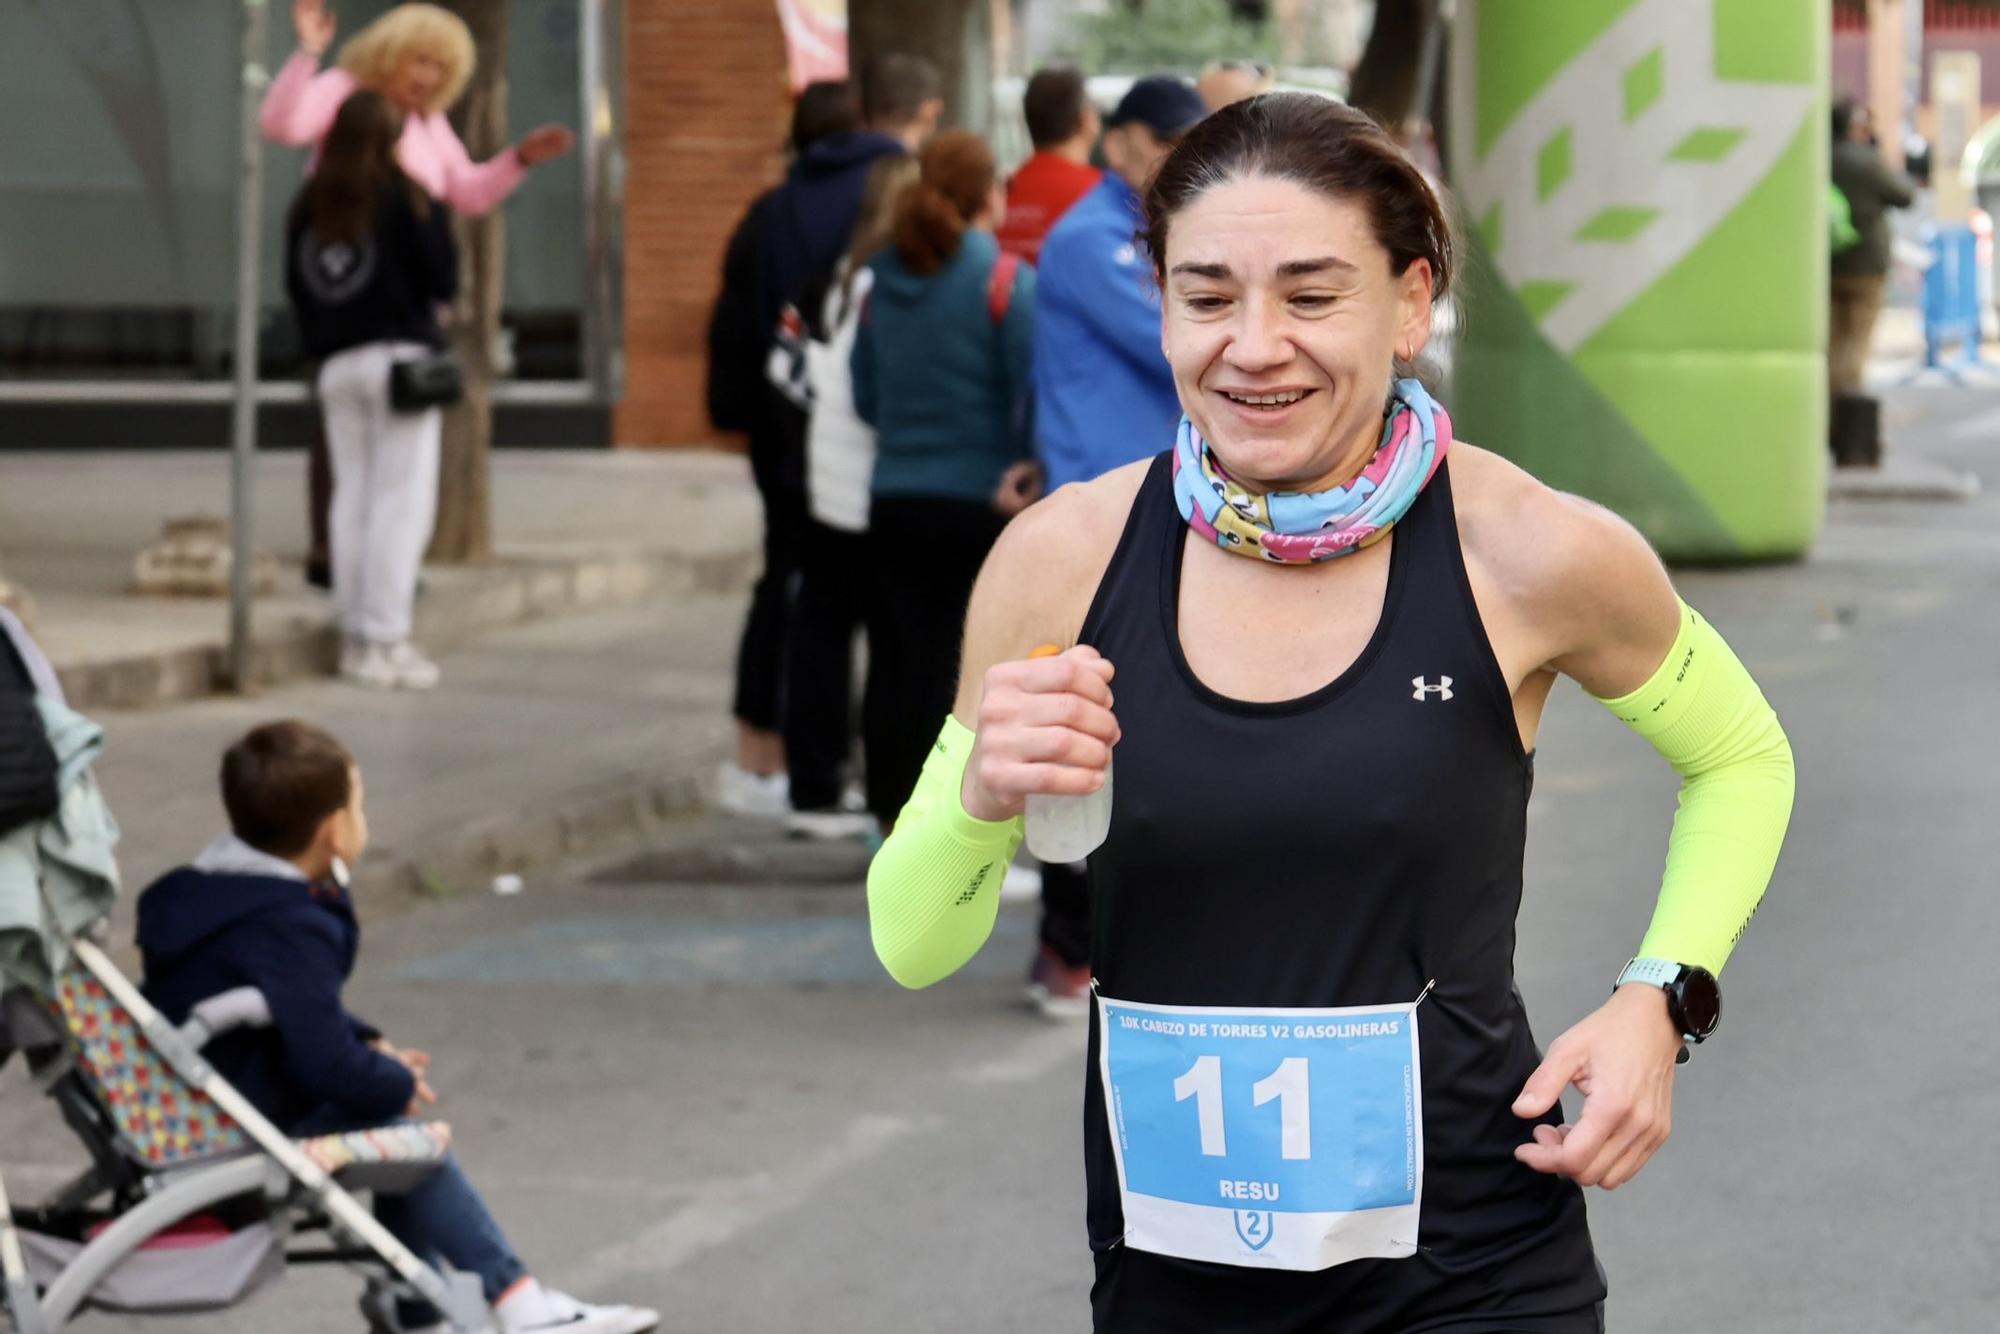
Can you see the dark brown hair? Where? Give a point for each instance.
(825, 107)
(1053, 105)
(357, 161)
(1322, 145)
(281, 781)
(955, 177)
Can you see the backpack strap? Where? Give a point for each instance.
(1000, 285)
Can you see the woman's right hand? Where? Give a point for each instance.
(314, 25)
(1045, 725)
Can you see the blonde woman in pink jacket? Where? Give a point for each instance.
(419, 56)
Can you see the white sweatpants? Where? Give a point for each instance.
(385, 477)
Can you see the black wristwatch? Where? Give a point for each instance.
(1694, 998)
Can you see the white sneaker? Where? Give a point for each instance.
(1021, 884)
(369, 665)
(829, 824)
(534, 1309)
(413, 670)
(759, 796)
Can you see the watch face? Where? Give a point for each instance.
(1701, 1001)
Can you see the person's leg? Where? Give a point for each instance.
(893, 616)
(1065, 924)
(402, 512)
(319, 501)
(1869, 292)
(344, 410)
(942, 546)
(447, 1218)
(760, 653)
(1845, 350)
(819, 669)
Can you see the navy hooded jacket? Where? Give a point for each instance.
(810, 217)
(203, 933)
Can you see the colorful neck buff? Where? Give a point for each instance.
(1302, 528)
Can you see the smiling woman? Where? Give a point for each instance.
(1333, 1016)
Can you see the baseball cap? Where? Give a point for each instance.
(1164, 103)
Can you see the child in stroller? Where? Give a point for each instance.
(265, 906)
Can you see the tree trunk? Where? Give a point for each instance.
(464, 533)
(1385, 81)
(954, 35)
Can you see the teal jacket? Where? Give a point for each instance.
(943, 382)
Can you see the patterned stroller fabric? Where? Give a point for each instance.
(167, 1123)
(161, 1119)
(408, 1142)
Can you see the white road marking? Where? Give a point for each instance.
(718, 1210)
(1030, 1059)
(724, 1209)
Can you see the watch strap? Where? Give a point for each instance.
(1652, 972)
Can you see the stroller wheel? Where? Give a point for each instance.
(378, 1308)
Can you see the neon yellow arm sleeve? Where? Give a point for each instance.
(1703, 713)
(934, 888)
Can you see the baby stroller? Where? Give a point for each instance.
(192, 1197)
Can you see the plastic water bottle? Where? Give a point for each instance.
(1063, 829)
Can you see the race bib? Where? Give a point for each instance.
(1286, 1139)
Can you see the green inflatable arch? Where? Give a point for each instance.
(1642, 186)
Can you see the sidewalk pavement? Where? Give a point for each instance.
(574, 531)
(543, 741)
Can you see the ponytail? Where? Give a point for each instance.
(956, 174)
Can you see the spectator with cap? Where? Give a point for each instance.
(1100, 378)
(1063, 126)
(1104, 397)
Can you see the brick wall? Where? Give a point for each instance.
(706, 109)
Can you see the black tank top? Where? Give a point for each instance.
(1342, 848)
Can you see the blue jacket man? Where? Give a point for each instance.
(1104, 395)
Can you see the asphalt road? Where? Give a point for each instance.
(705, 1097)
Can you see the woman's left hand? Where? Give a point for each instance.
(1621, 1059)
(544, 142)
(1020, 486)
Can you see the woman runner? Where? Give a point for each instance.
(1313, 1101)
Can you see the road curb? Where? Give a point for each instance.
(1902, 479)
(591, 819)
(458, 605)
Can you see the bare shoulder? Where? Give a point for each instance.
(1038, 581)
(1567, 568)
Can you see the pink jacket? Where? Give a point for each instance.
(300, 107)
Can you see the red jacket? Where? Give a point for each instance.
(1041, 191)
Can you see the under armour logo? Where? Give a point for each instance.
(1442, 689)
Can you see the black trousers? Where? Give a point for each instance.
(1066, 912)
(319, 492)
(760, 657)
(924, 553)
(831, 603)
